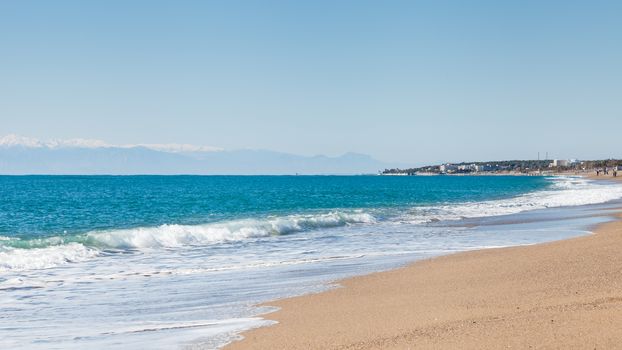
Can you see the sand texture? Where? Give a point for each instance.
(559, 295)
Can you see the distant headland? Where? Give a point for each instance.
(512, 167)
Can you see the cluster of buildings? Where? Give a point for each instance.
(525, 167)
(467, 168)
(563, 163)
(449, 168)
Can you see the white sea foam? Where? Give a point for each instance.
(14, 259)
(54, 251)
(201, 296)
(565, 191)
(183, 235)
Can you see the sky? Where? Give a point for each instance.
(404, 81)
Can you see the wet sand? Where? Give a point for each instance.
(559, 295)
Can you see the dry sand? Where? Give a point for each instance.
(559, 295)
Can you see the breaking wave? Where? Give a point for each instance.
(42, 258)
(563, 192)
(183, 235)
(40, 253)
(16, 254)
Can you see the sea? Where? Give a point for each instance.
(182, 262)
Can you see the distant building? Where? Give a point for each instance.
(485, 167)
(563, 163)
(466, 167)
(448, 168)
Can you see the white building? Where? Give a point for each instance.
(467, 167)
(485, 167)
(563, 163)
(448, 168)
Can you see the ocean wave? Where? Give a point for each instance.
(563, 192)
(23, 254)
(236, 230)
(16, 259)
(40, 253)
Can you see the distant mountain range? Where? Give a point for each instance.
(23, 155)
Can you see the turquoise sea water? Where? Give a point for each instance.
(43, 206)
(115, 262)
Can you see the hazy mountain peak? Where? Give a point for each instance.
(177, 147)
(25, 155)
(13, 140)
(354, 155)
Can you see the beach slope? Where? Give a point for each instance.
(559, 295)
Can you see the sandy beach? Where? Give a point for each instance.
(560, 295)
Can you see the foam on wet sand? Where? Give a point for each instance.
(559, 295)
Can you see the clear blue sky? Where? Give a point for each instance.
(403, 81)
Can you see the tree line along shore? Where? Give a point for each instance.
(525, 167)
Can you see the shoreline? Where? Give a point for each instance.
(560, 294)
(583, 173)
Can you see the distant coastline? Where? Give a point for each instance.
(512, 167)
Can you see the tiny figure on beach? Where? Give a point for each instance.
(597, 172)
(615, 173)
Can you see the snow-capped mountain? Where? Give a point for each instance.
(25, 155)
(22, 141)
